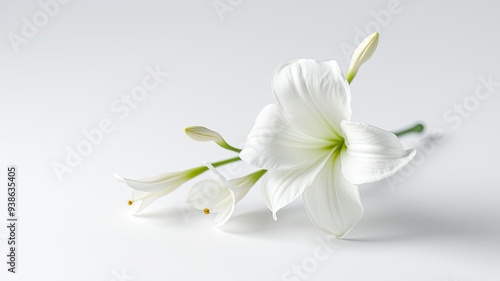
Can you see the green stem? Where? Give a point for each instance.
(225, 145)
(194, 172)
(227, 161)
(414, 129)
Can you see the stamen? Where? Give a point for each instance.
(206, 211)
(130, 202)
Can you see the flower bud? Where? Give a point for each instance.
(199, 133)
(363, 52)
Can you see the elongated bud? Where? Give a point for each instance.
(363, 52)
(199, 133)
(203, 134)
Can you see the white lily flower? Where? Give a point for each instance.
(220, 195)
(310, 147)
(363, 52)
(147, 190)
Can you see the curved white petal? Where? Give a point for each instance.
(215, 196)
(168, 181)
(313, 96)
(280, 188)
(333, 203)
(207, 194)
(224, 210)
(219, 196)
(274, 144)
(140, 199)
(241, 186)
(236, 188)
(147, 190)
(372, 154)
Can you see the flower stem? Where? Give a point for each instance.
(417, 128)
(229, 147)
(224, 162)
(194, 172)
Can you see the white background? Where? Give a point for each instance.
(439, 221)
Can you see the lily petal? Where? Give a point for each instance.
(224, 214)
(281, 187)
(147, 190)
(372, 154)
(274, 144)
(140, 199)
(313, 96)
(237, 187)
(215, 196)
(207, 194)
(241, 186)
(219, 195)
(168, 181)
(333, 203)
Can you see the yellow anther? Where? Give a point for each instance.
(206, 211)
(130, 202)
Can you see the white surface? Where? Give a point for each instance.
(441, 223)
